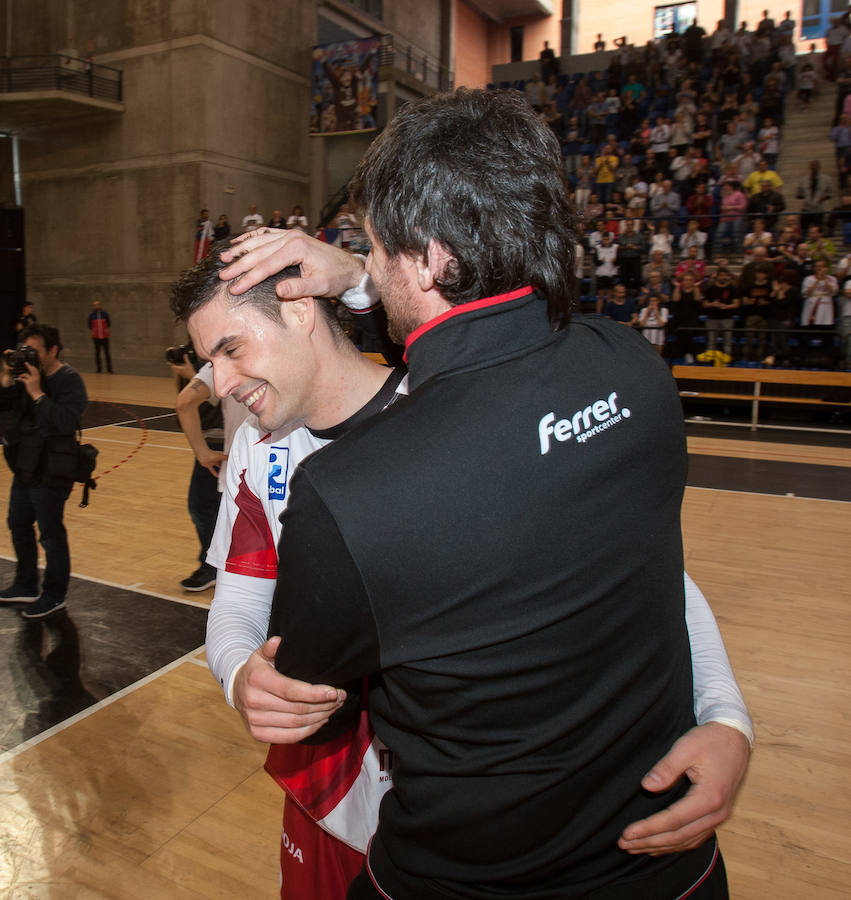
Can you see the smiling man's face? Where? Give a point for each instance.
(265, 364)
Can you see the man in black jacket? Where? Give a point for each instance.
(40, 409)
(508, 554)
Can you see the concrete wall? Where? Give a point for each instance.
(216, 110)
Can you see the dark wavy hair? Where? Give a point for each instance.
(479, 173)
(199, 285)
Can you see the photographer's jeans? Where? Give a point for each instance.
(43, 504)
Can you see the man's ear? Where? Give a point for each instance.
(432, 265)
(300, 313)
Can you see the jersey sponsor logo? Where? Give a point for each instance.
(290, 847)
(385, 764)
(279, 461)
(584, 424)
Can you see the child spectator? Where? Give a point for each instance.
(605, 257)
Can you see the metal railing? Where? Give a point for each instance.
(405, 56)
(57, 72)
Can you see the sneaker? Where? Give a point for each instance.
(44, 606)
(202, 578)
(14, 594)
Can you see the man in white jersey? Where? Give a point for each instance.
(244, 552)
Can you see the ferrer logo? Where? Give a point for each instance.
(604, 414)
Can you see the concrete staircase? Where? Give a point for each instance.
(806, 136)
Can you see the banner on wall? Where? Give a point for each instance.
(344, 87)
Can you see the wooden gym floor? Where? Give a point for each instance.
(156, 791)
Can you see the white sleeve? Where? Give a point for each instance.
(237, 624)
(717, 697)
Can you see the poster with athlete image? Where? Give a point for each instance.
(344, 87)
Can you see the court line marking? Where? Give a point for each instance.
(132, 588)
(783, 496)
(101, 704)
(103, 440)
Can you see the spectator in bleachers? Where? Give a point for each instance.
(759, 262)
(658, 265)
(807, 80)
(572, 147)
(753, 183)
(693, 237)
(747, 161)
(653, 285)
(584, 183)
(595, 210)
(619, 307)
(759, 237)
(650, 168)
(820, 247)
(840, 134)
(788, 60)
(606, 267)
(691, 264)
(579, 103)
(836, 34)
(661, 239)
(728, 111)
(660, 137)
(767, 204)
(681, 170)
(700, 206)
(652, 321)
(731, 224)
(729, 145)
(681, 131)
(814, 190)
(597, 119)
(628, 117)
(721, 40)
(665, 205)
(605, 166)
(756, 304)
(840, 218)
(786, 302)
(819, 291)
(720, 302)
(701, 137)
(843, 86)
(799, 266)
(626, 171)
(769, 141)
(632, 245)
(599, 44)
(686, 308)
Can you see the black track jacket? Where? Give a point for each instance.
(504, 546)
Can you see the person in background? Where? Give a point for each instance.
(253, 219)
(297, 219)
(26, 318)
(221, 231)
(277, 220)
(99, 324)
(203, 235)
(41, 408)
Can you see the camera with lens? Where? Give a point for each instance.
(17, 359)
(174, 355)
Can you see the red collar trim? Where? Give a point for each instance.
(464, 308)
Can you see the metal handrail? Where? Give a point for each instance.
(58, 72)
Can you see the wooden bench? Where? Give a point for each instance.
(796, 380)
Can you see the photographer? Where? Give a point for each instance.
(41, 404)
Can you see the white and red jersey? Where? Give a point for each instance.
(339, 785)
(259, 468)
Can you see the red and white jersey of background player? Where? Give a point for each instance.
(339, 785)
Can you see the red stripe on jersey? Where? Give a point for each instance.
(319, 777)
(252, 547)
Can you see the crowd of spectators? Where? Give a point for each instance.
(688, 231)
